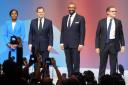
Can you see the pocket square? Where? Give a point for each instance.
(76, 22)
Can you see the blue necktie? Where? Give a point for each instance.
(108, 31)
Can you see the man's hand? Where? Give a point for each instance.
(97, 50)
(122, 49)
(62, 46)
(49, 48)
(80, 47)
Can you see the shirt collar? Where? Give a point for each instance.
(40, 18)
(73, 15)
(108, 18)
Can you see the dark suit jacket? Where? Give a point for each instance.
(41, 39)
(101, 34)
(73, 36)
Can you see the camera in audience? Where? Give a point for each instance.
(48, 61)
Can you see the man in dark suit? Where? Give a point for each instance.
(41, 34)
(72, 38)
(109, 40)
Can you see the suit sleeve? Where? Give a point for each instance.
(62, 32)
(30, 34)
(82, 31)
(97, 38)
(121, 35)
(5, 33)
(51, 34)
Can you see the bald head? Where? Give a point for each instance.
(71, 8)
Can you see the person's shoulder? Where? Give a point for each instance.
(65, 16)
(48, 20)
(117, 19)
(8, 21)
(33, 20)
(20, 21)
(102, 20)
(80, 16)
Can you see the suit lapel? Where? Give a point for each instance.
(66, 21)
(10, 26)
(105, 24)
(36, 25)
(116, 25)
(45, 23)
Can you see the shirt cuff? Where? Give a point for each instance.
(61, 44)
(30, 45)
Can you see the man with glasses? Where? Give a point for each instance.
(109, 40)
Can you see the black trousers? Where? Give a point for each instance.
(72, 60)
(45, 55)
(111, 52)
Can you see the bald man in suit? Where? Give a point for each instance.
(72, 38)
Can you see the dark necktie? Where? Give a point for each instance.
(108, 31)
(40, 24)
(69, 21)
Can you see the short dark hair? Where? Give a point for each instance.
(40, 7)
(12, 11)
(109, 7)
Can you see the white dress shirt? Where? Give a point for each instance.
(113, 28)
(41, 21)
(13, 25)
(72, 18)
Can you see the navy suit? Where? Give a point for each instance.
(41, 39)
(71, 38)
(110, 48)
